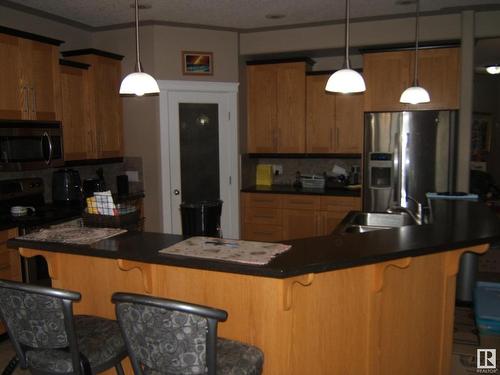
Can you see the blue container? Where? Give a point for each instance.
(487, 308)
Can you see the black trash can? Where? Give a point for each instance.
(201, 218)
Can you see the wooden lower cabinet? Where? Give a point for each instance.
(300, 224)
(262, 232)
(10, 261)
(279, 217)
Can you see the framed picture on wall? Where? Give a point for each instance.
(197, 63)
(482, 124)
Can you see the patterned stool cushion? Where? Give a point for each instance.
(233, 358)
(236, 358)
(99, 340)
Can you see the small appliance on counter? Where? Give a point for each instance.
(67, 187)
(95, 184)
(92, 185)
(122, 187)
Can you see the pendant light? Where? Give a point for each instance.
(415, 94)
(138, 83)
(493, 69)
(346, 80)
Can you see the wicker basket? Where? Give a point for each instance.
(128, 221)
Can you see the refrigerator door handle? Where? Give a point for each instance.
(406, 162)
(396, 174)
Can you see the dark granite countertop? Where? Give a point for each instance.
(457, 224)
(288, 189)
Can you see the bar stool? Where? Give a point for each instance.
(173, 337)
(49, 339)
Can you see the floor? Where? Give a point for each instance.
(466, 341)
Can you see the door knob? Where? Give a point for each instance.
(176, 192)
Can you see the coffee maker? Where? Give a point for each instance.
(67, 187)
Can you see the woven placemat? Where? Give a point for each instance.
(249, 252)
(73, 235)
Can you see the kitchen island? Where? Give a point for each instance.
(374, 303)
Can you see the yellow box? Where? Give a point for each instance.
(264, 175)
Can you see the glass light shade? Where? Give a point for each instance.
(139, 83)
(493, 69)
(415, 95)
(345, 81)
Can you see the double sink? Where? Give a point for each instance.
(361, 222)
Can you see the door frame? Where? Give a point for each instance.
(229, 90)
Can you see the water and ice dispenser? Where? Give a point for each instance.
(380, 170)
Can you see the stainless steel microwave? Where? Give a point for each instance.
(28, 145)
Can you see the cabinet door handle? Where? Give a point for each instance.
(33, 99)
(337, 137)
(332, 139)
(26, 99)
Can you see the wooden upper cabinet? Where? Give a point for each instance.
(106, 114)
(320, 123)
(334, 121)
(276, 108)
(262, 108)
(291, 120)
(109, 123)
(349, 119)
(29, 77)
(41, 65)
(387, 75)
(77, 130)
(13, 104)
(439, 74)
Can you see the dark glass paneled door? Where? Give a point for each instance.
(199, 151)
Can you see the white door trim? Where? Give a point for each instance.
(168, 91)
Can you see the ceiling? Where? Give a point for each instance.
(236, 14)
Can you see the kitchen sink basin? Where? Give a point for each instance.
(360, 222)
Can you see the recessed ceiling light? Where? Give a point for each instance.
(493, 69)
(142, 6)
(275, 16)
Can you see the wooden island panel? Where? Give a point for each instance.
(386, 318)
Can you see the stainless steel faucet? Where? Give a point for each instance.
(417, 216)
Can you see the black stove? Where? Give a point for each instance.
(29, 192)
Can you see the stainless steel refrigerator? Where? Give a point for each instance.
(407, 154)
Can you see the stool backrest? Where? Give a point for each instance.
(38, 318)
(168, 336)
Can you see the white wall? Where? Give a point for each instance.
(366, 33)
(73, 37)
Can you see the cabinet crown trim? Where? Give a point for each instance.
(92, 51)
(31, 36)
(73, 64)
(307, 60)
(411, 46)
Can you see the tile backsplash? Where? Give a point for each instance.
(306, 166)
(86, 171)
